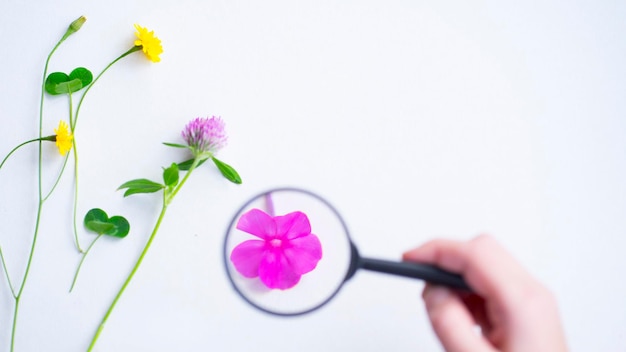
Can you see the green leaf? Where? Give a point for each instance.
(186, 165)
(84, 75)
(61, 83)
(122, 227)
(98, 221)
(53, 80)
(99, 227)
(95, 215)
(175, 145)
(141, 185)
(227, 171)
(170, 175)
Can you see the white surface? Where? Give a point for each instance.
(415, 119)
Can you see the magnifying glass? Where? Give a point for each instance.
(288, 252)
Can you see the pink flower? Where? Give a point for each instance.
(286, 250)
(205, 135)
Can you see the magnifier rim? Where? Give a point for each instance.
(232, 223)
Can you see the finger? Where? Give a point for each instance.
(448, 254)
(486, 266)
(452, 322)
(477, 308)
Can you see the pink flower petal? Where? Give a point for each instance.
(303, 253)
(257, 222)
(275, 271)
(292, 225)
(247, 256)
(288, 249)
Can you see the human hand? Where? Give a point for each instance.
(513, 310)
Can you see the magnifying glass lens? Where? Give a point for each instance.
(287, 251)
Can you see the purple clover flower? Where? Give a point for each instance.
(205, 135)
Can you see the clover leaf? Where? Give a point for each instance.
(96, 220)
(62, 83)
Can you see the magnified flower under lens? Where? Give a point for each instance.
(286, 250)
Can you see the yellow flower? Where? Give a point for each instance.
(63, 138)
(150, 44)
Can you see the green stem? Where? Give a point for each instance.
(16, 148)
(28, 265)
(82, 260)
(65, 162)
(75, 154)
(130, 276)
(75, 206)
(73, 122)
(71, 110)
(166, 201)
(40, 197)
(6, 271)
(27, 271)
(58, 179)
(82, 98)
(56, 183)
(15, 312)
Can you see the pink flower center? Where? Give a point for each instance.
(276, 243)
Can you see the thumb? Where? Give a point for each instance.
(452, 322)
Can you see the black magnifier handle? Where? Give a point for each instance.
(428, 273)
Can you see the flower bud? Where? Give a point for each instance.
(74, 27)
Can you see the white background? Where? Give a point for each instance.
(415, 119)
